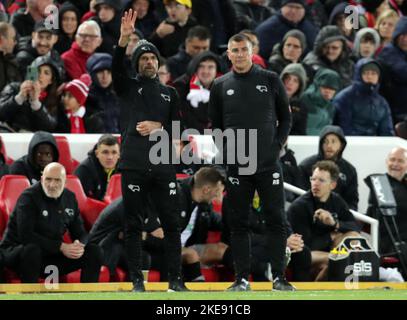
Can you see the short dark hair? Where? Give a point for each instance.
(200, 32)
(239, 37)
(328, 165)
(108, 140)
(208, 175)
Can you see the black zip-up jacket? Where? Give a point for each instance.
(93, 176)
(347, 184)
(26, 165)
(316, 235)
(206, 219)
(38, 219)
(140, 99)
(253, 100)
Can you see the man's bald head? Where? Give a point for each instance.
(397, 163)
(53, 180)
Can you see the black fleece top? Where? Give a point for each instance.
(253, 100)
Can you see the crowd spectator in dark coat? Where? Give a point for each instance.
(290, 50)
(102, 97)
(359, 109)
(172, 32)
(8, 65)
(68, 24)
(219, 16)
(251, 13)
(42, 44)
(330, 51)
(394, 58)
(294, 79)
(32, 105)
(147, 18)
(108, 18)
(198, 40)
(291, 16)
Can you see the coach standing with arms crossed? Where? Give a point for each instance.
(249, 97)
(146, 106)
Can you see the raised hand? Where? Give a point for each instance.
(127, 27)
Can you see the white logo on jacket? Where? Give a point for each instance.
(234, 181)
(166, 97)
(45, 213)
(69, 212)
(261, 88)
(230, 92)
(134, 188)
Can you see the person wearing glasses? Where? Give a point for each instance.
(87, 40)
(331, 51)
(322, 217)
(332, 143)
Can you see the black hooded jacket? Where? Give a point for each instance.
(64, 41)
(347, 184)
(94, 178)
(26, 165)
(141, 99)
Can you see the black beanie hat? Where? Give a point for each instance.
(301, 2)
(143, 46)
(371, 66)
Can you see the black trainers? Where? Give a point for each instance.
(240, 285)
(177, 286)
(281, 284)
(138, 285)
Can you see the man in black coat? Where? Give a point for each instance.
(146, 107)
(42, 150)
(33, 240)
(96, 170)
(322, 217)
(251, 100)
(396, 163)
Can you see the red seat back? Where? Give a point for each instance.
(65, 156)
(7, 159)
(11, 187)
(89, 208)
(114, 188)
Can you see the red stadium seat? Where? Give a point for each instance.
(89, 208)
(65, 156)
(7, 159)
(114, 188)
(11, 187)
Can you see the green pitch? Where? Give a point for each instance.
(379, 294)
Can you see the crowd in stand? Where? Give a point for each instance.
(344, 76)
